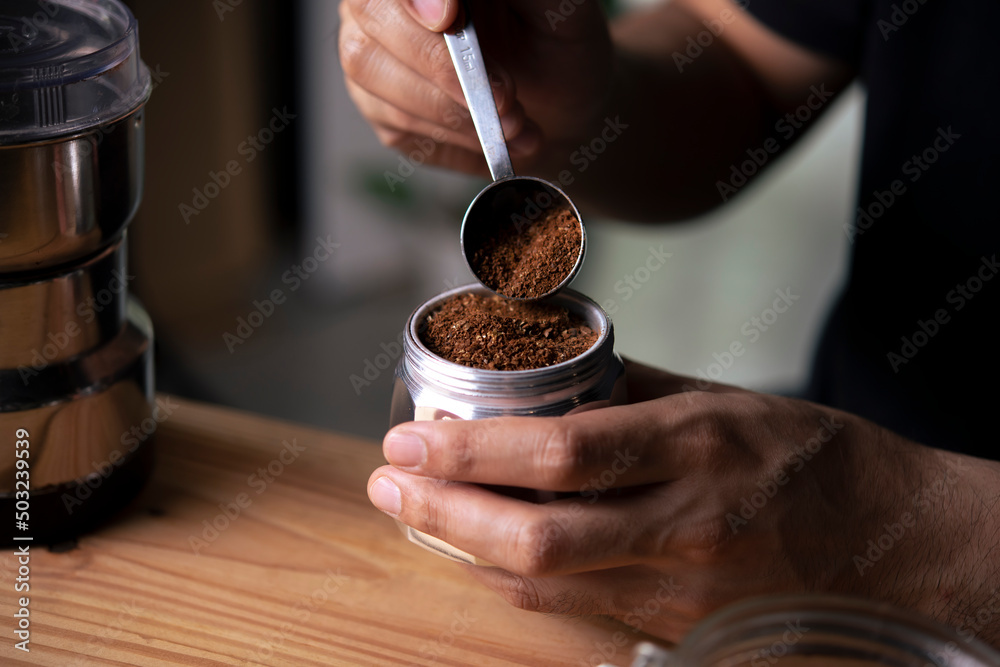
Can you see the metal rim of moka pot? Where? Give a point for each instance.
(560, 383)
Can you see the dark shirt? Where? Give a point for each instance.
(912, 342)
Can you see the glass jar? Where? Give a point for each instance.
(820, 631)
(428, 387)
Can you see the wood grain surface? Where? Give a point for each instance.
(307, 573)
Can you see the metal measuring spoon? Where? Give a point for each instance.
(511, 203)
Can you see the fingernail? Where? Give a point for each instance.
(405, 449)
(385, 495)
(527, 142)
(431, 11)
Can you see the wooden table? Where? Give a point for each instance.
(307, 573)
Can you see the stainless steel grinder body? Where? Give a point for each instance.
(76, 373)
(428, 387)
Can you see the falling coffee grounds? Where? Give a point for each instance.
(493, 333)
(527, 263)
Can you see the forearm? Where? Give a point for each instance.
(934, 546)
(962, 494)
(664, 135)
(678, 118)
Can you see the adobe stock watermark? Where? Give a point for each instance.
(27, 30)
(249, 149)
(696, 44)
(787, 127)
(751, 330)
(563, 11)
(223, 7)
(373, 367)
(925, 330)
(893, 532)
(301, 612)
(259, 481)
(637, 618)
(562, 519)
(913, 168)
(970, 627)
(779, 648)
(900, 14)
(87, 310)
(794, 461)
(294, 277)
(29, 27)
(632, 282)
(621, 463)
(425, 147)
(586, 154)
(532, 208)
(130, 441)
(408, 163)
(974, 623)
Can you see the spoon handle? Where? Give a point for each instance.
(463, 45)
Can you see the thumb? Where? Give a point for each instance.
(435, 15)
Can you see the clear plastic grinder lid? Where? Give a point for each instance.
(65, 66)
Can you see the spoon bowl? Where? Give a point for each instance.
(510, 208)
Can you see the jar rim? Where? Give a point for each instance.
(875, 621)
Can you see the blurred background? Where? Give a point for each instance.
(257, 165)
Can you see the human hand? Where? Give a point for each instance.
(401, 78)
(686, 501)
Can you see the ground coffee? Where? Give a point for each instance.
(527, 262)
(494, 333)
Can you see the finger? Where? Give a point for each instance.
(381, 15)
(445, 155)
(372, 67)
(680, 526)
(434, 14)
(601, 592)
(644, 599)
(381, 112)
(368, 65)
(525, 538)
(393, 27)
(618, 446)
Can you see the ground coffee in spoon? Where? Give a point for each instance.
(527, 261)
